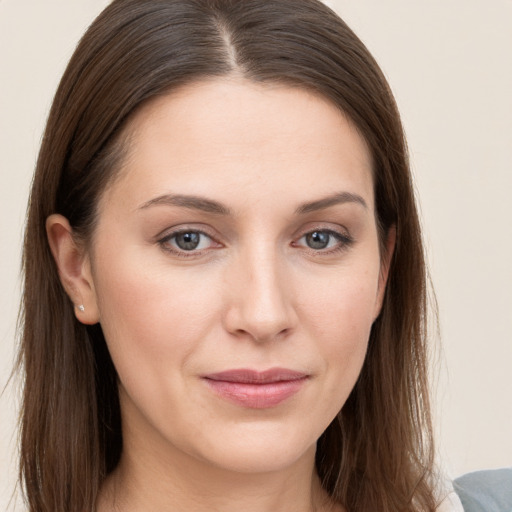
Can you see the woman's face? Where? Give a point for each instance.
(236, 273)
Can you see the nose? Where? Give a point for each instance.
(260, 305)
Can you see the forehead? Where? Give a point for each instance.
(223, 136)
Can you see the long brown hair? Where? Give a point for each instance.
(377, 453)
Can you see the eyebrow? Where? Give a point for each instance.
(333, 200)
(214, 207)
(190, 202)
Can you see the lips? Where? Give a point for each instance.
(254, 389)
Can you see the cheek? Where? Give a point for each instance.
(148, 312)
(154, 321)
(340, 317)
(343, 305)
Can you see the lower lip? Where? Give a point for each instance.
(257, 396)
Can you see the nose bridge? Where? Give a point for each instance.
(260, 305)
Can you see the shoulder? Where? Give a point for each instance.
(486, 491)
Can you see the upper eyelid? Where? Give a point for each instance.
(174, 231)
(174, 234)
(332, 232)
(170, 232)
(323, 226)
(341, 237)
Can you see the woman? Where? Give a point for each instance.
(224, 303)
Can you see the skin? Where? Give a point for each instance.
(254, 294)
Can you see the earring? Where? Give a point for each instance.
(81, 308)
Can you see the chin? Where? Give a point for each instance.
(259, 450)
(261, 460)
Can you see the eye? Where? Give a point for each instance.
(187, 241)
(324, 240)
(318, 239)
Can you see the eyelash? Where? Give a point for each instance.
(344, 240)
(182, 253)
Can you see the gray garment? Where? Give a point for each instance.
(485, 491)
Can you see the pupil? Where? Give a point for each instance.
(187, 241)
(317, 239)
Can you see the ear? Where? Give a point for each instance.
(385, 263)
(74, 268)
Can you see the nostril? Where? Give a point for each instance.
(244, 321)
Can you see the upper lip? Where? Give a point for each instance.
(248, 376)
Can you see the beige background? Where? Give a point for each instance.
(450, 65)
